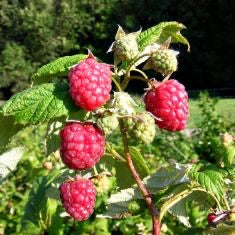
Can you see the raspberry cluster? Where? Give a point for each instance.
(83, 143)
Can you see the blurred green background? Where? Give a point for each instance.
(34, 32)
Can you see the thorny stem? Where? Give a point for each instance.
(146, 194)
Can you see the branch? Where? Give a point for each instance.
(146, 194)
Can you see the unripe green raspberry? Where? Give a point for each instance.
(164, 61)
(141, 127)
(103, 183)
(108, 123)
(122, 103)
(125, 46)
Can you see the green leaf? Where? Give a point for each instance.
(8, 129)
(48, 211)
(37, 202)
(139, 162)
(160, 33)
(171, 175)
(40, 103)
(58, 67)
(9, 161)
(177, 198)
(221, 229)
(211, 180)
(122, 172)
(229, 154)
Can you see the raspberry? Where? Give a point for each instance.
(122, 103)
(125, 46)
(141, 127)
(82, 145)
(168, 102)
(108, 123)
(78, 197)
(90, 84)
(211, 217)
(163, 61)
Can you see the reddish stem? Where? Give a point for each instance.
(146, 194)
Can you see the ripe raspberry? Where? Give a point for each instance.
(164, 61)
(141, 127)
(90, 84)
(211, 217)
(82, 145)
(168, 102)
(78, 197)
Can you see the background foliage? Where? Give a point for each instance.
(32, 33)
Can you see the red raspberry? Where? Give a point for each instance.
(211, 217)
(78, 197)
(168, 102)
(82, 145)
(90, 84)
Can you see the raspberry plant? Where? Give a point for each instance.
(73, 96)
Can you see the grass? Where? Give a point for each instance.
(225, 107)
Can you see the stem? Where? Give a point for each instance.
(128, 70)
(141, 78)
(146, 194)
(141, 72)
(116, 83)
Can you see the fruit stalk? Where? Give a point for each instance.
(146, 194)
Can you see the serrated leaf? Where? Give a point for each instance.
(59, 67)
(176, 203)
(9, 161)
(40, 103)
(160, 33)
(8, 129)
(211, 180)
(171, 175)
